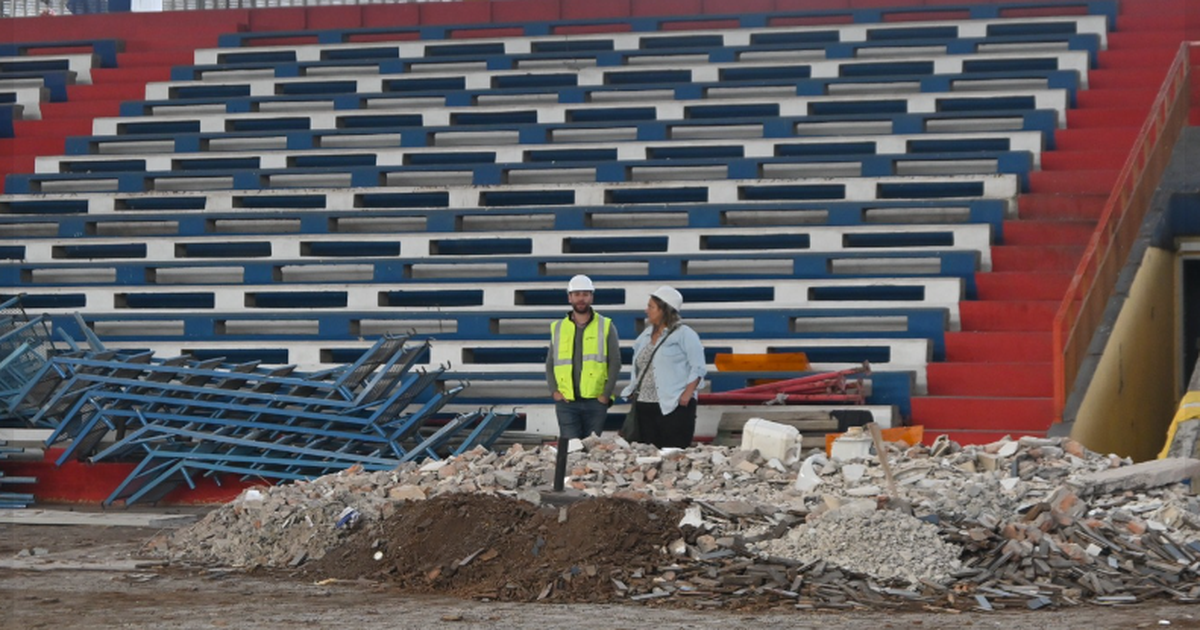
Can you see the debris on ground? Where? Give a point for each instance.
(1034, 523)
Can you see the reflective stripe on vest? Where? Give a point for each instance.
(594, 362)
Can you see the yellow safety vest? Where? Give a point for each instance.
(594, 362)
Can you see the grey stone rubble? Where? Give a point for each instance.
(884, 544)
(1009, 517)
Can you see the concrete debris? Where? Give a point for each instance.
(1151, 474)
(1031, 523)
(884, 544)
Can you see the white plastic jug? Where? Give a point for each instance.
(772, 439)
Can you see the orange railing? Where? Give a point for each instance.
(1095, 278)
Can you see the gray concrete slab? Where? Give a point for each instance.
(49, 516)
(1141, 476)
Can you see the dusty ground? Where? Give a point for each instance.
(100, 582)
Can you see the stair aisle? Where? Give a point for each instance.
(148, 56)
(997, 378)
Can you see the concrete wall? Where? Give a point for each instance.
(1133, 394)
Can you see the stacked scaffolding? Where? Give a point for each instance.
(185, 418)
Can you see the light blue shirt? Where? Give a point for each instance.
(678, 362)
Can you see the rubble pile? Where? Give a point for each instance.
(1030, 522)
(884, 544)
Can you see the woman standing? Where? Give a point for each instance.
(668, 366)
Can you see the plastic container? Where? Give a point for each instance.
(853, 444)
(772, 439)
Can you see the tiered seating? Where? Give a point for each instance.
(35, 72)
(803, 191)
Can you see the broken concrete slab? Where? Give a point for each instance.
(106, 519)
(1142, 476)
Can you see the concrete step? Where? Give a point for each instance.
(1048, 232)
(1035, 258)
(1090, 182)
(1022, 285)
(1015, 380)
(1017, 416)
(1012, 347)
(1008, 316)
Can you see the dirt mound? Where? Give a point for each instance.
(484, 546)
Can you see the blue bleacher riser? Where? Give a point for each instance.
(1044, 121)
(238, 100)
(106, 50)
(387, 61)
(652, 24)
(887, 388)
(317, 221)
(527, 268)
(7, 116)
(878, 165)
(921, 323)
(320, 221)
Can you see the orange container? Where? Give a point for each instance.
(776, 362)
(909, 435)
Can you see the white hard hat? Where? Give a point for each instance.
(669, 296)
(580, 283)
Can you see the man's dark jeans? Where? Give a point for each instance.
(580, 418)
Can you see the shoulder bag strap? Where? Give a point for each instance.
(653, 352)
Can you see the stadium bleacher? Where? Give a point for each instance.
(809, 182)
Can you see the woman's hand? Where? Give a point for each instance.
(685, 399)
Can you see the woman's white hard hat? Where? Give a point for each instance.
(669, 296)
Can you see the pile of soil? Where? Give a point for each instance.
(483, 546)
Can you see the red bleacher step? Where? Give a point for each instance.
(1004, 346)
(1126, 78)
(1107, 118)
(106, 92)
(1016, 380)
(15, 164)
(1035, 257)
(205, 36)
(141, 59)
(1086, 182)
(1145, 39)
(29, 146)
(1048, 232)
(1142, 58)
(1083, 160)
(52, 128)
(975, 413)
(1152, 7)
(1154, 22)
(1120, 139)
(81, 109)
(1010, 316)
(1107, 99)
(1022, 285)
(1061, 207)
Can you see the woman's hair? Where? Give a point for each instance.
(670, 316)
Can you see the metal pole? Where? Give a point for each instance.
(560, 464)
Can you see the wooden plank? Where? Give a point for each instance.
(802, 419)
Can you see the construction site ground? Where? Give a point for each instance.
(97, 576)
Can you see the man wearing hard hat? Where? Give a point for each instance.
(583, 364)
